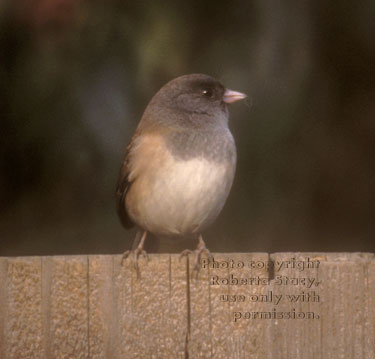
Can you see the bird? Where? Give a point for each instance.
(179, 165)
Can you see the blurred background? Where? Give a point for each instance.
(75, 77)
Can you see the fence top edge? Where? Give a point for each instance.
(322, 256)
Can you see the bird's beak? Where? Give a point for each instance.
(231, 96)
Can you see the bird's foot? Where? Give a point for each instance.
(201, 248)
(139, 251)
(136, 253)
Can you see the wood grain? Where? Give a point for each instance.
(94, 307)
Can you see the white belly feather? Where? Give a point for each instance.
(188, 199)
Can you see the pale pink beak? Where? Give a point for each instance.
(231, 96)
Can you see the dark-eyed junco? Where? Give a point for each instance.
(180, 163)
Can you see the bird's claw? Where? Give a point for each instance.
(197, 257)
(185, 253)
(136, 253)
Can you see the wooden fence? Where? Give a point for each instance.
(243, 305)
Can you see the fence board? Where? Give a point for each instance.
(241, 306)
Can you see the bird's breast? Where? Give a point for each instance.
(174, 196)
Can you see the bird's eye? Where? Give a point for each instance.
(208, 93)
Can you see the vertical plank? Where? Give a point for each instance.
(344, 308)
(296, 337)
(69, 307)
(100, 307)
(177, 308)
(3, 304)
(46, 276)
(144, 310)
(198, 299)
(121, 296)
(219, 318)
(369, 334)
(23, 329)
(249, 335)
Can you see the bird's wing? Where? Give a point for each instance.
(145, 152)
(122, 188)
